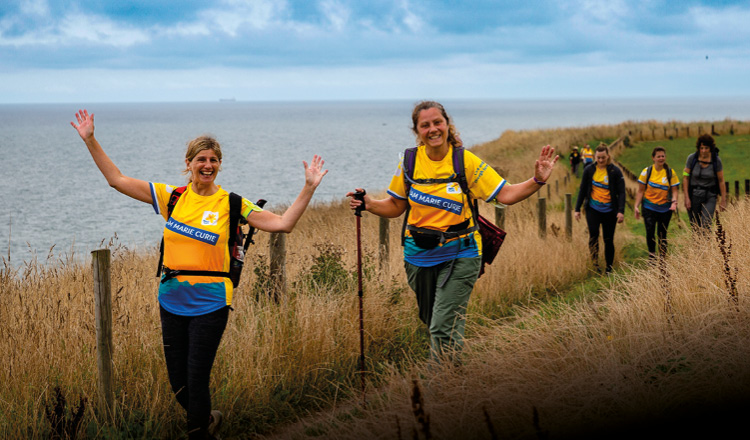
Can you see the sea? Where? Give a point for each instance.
(56, 204)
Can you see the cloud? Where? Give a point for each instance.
(386, 39)
(336, 13)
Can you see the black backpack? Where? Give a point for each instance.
(238, 242)
(714, 164)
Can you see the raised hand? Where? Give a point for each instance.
(545, 164)
(314, 172)
(85, 127)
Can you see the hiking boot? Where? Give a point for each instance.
(214, 423)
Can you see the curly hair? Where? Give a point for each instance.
(707, 140)
(453, 137)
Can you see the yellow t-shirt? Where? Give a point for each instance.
(195, 238)
(588, 155)
(601, 198)
(656, 197)
(440, 205)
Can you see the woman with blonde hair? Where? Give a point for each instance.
(195, 293)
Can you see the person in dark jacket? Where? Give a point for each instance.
(575, 161)
(603, 187)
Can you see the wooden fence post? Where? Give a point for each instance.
(384, 248)
(737, 189)
(100, 262)
(277, 266)
(569, 215)
(542, 212)
(747, 187)
(500, 216)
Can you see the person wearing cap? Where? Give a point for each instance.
(575, 160)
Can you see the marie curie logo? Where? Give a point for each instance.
(453, 188)
(210, 218)
(194, 233)
(436, 202)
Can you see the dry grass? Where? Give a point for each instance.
(603, 368)
(277, 360)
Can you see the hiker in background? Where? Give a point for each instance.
(603, 186)
(194, 308)
(442, 247)
(575, 160)
(703, 180)
(587, 155)
(657, 190)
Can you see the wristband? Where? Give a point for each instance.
(686, 174)
(539, 182)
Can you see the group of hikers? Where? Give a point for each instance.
(436, 187)
(602, 189)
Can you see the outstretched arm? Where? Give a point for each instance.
(389, 207)
(543, 167)
(135, 188)
(270, 222)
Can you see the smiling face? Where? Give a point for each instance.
(432, 128)
(204, 167)
(660, 158)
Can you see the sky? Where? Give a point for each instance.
(62, 51)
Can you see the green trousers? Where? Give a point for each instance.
(442, 302)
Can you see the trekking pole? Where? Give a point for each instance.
(360, 195)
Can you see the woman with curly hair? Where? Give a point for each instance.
(703, 181)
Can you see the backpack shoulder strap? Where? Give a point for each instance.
(694, 161)
(407, 166)
(648, 173)
(459, 169)
(235, 212)
(174, 197)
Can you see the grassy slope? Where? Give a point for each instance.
(279, 362)
(641, 356)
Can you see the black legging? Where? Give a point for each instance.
(190, 345)
(656, 222)
(607, 220)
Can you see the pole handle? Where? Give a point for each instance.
(360, 195)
